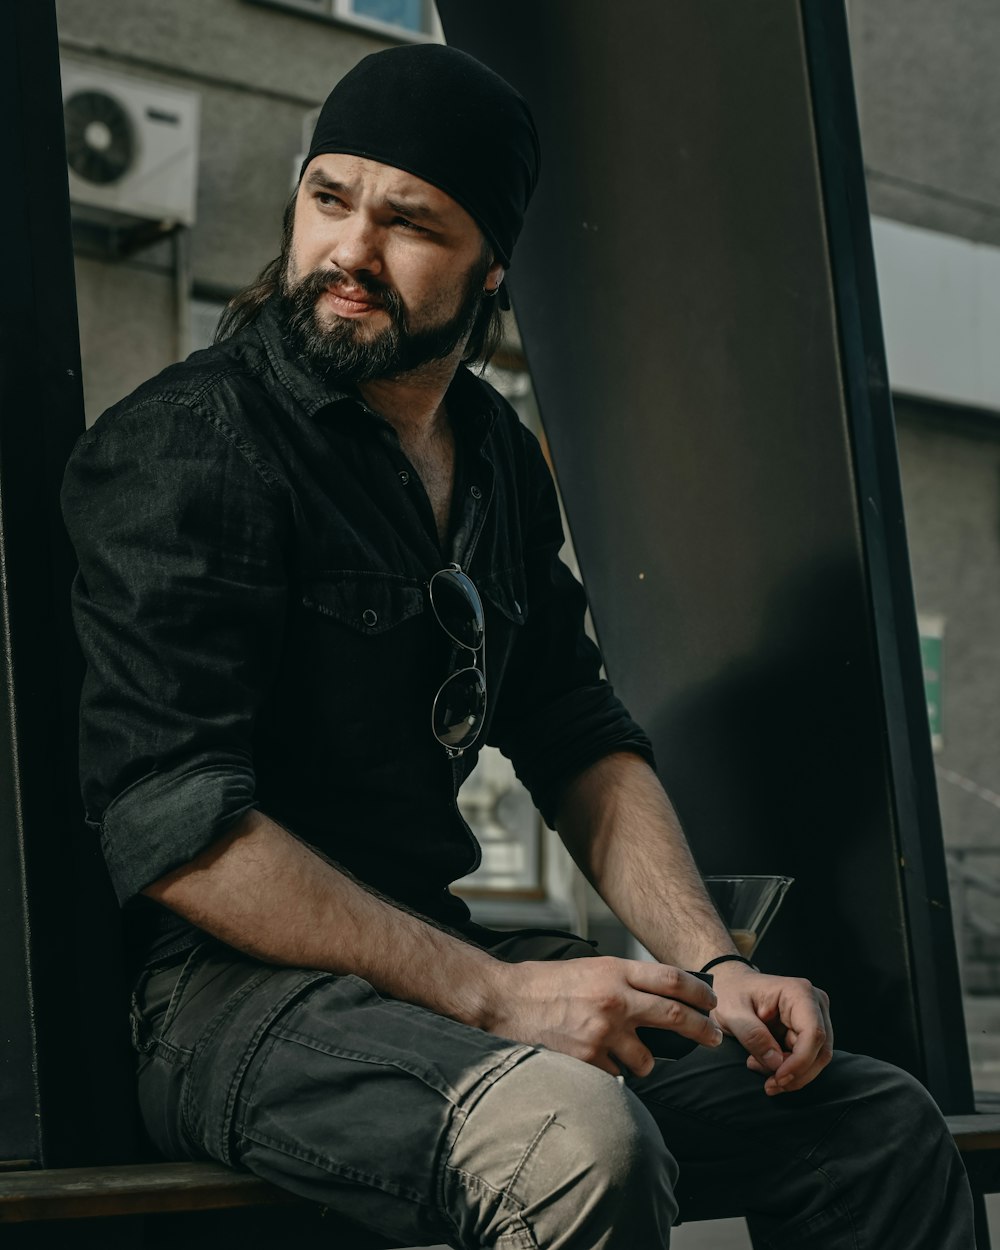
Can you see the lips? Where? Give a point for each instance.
(351, 302)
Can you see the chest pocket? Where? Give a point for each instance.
(368, 603)
(361, 666)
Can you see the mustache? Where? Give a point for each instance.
(312, 286)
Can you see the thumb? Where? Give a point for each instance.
(756, 1039)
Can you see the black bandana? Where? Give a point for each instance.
(442, 115)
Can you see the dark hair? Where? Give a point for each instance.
(245, 306)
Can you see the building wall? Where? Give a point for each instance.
(929, 103)
(950, 462)
(258, 72)
(951, 473)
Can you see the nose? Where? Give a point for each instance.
(356, 245)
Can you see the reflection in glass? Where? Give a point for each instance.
(406, 13)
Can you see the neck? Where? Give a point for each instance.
(413, 403)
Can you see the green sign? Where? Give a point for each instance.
(930, 655)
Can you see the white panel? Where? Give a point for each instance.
(160, 182)
(940, 299)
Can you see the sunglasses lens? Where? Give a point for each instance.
(459, 708)
(457, 605)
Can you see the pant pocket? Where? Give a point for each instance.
(225, 1049)
(160, 1079)
(156, 998)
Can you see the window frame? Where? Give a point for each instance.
(340, 13)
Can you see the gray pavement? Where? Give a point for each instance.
(732, 1234)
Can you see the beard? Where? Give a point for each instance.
(351, 352)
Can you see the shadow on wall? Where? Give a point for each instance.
(778, 765)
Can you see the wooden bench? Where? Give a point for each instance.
(165, 1189)
(131, 1189)
(184, 1206)
(978, 1138)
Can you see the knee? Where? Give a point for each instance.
(565, 1145)
(615, 1140)
(886, 1111)
(896, 1103)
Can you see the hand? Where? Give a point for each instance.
(590, 1008)
(784, 1023)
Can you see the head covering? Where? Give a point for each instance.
(444, 116)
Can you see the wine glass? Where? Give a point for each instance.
(747, 905)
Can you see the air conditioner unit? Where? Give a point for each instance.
(132, 147)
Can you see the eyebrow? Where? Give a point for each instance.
(413, 208)
(417, 209)
(319, 179)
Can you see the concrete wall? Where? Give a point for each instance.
(929, 101)
(928, 86)
(258, 71)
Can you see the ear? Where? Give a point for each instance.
(494, 278)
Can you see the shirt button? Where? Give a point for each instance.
(404, 477)
(475, 492)
(369, 616)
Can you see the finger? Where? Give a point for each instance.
(824, 1003)
(755, 1065)
(772, 1087)
(810, 1044)
(632, 1056)
(757, 1040)
(670, 982)
(606, 1062)
(671, 1013)
(823, 1058)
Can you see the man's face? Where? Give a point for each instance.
(384, 271)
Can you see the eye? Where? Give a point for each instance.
(326, 199)
(409, 226)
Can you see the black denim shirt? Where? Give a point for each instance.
(252, 603)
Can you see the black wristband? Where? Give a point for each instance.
(727, 959)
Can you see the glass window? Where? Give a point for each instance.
(409, 14)
(407, 20)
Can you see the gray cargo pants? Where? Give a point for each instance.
(430, 1131)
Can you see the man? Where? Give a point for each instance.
(318, 570)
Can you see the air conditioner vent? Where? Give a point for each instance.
(131, 147)
(100, 137)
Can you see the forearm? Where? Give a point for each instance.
(264, 892)
(621, 829)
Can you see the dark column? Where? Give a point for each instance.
(65, 1071)
(697, 297)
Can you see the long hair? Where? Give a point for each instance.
(245, 306)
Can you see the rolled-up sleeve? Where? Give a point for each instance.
(179, 607)
(556, 713)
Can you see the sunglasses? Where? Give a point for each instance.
(459, 706)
